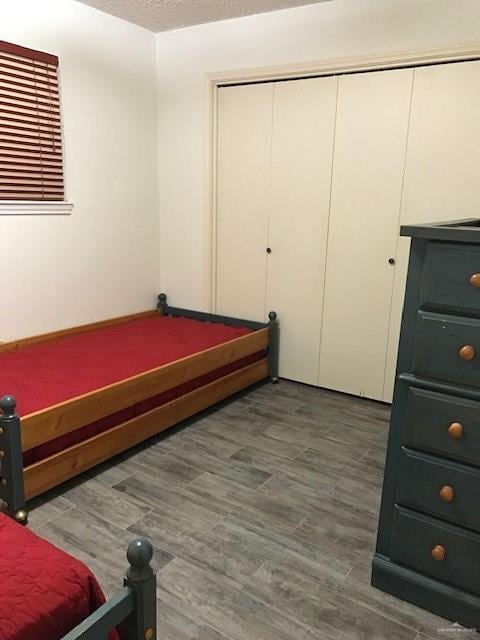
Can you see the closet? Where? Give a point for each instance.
(313, 179)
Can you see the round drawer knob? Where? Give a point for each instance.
(455, 430)
(475, 280)
(467, 352)
(447, 494)
(438, 552)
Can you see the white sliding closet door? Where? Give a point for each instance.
(302, 151)
(274, 158)
(370, 146)
(244, 140)
(442, 173)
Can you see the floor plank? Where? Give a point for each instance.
(326, 611)
(220, 602)
(198, 458)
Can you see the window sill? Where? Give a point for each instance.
(30, 208)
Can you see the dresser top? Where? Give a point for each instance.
(467, 230)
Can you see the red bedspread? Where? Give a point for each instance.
(48, 373)
(45, 592)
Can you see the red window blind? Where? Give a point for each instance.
(31, 163)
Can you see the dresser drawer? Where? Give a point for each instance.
(441, 488)
(443, 424)
(451, 276)
(447, 348)
(416, 539)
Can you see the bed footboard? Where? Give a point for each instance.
(11, 465)
(134, 609)
(273, 348)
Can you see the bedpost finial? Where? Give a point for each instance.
(272, 316)
(8, 405)
(162, 305)
(140, 578)
(139, 553)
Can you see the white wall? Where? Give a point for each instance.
(330, 29)
(101, 261)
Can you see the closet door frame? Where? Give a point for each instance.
(329, 66)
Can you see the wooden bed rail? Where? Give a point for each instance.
(52, 471)
(134, 608)
(11, 465)
(14, 345)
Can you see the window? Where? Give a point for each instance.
(31, 162)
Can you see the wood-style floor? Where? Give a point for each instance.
(263, 515)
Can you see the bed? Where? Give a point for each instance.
(89, 393)
(49, 595)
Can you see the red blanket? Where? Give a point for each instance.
(44, 592)
(47, 373)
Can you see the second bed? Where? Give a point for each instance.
(87, 394)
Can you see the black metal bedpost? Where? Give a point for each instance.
(162, 305)
(140, 578)
(273, 347)
(11, 461)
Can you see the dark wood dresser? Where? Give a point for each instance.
(428, 546)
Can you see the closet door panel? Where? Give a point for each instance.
(243, 177)
(302, 150)
(442, 172)
(369, 157)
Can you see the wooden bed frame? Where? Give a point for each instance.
(18, 484)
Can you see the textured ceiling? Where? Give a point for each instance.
(163, 15)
